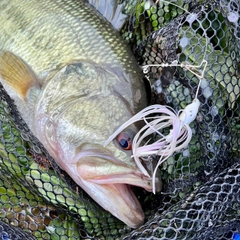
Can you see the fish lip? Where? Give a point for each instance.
(127, 179)
(127, 174)
(133, 205)
(119, 200)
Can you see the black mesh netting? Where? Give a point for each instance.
(200, 198)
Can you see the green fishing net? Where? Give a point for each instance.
(200, 198)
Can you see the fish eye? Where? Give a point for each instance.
(124, 139)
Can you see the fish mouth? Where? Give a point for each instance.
(118, 199)
(107, 180)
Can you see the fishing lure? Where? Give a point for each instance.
(170, 128)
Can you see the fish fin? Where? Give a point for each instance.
(111, 10)
(15, 73)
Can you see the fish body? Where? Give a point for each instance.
(75, 82)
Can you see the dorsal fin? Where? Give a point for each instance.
(111, 10)
(15, 73)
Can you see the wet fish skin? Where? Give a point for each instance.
(55, 33)
(74, 82)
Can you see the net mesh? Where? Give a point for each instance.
(200, 198)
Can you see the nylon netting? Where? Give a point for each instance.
(200, 198)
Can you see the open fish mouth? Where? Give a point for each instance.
(119, 200)
(122, 203)
(107, 180)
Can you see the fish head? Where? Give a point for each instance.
(79, 108)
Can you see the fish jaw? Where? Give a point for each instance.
(107, 180)
(118, 199)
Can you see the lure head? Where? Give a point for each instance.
(189, 113)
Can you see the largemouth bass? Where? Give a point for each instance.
(74, 82)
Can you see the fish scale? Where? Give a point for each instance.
(84, 20)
